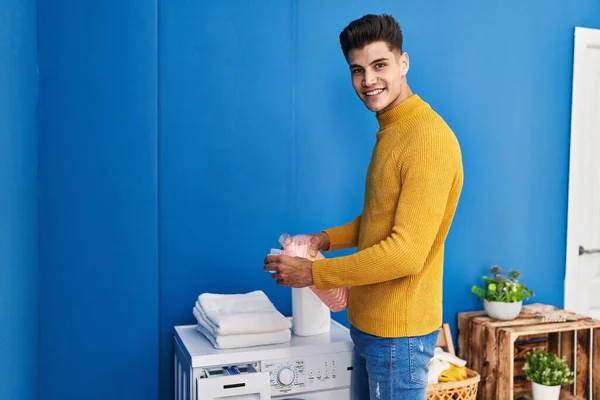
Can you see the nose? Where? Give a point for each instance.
(369, 79)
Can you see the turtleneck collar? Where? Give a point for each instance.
(399, 111)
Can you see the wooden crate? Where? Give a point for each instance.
(496, 350)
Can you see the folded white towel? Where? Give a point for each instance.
(206, 327)
(204, 321)
(232, 314)
(245, 340)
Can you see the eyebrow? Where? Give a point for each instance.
(372, 62)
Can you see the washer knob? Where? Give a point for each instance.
(285, 376)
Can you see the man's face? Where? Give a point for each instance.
(378, 75)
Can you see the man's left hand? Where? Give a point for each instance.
(289, 271)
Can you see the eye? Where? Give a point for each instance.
(380, 65)
(357, 71)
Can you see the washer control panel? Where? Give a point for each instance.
(317, 372)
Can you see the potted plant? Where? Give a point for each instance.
(502, 295)
(547, 374)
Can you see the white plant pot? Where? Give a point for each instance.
(541, 392)
(503, 311)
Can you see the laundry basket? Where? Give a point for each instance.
(460, 390)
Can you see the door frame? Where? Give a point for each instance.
(584, 38)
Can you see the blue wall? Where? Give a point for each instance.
(226, 144)
(98, 199)
(177, 143)
(18, 214)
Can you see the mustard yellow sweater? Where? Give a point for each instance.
(413, 184)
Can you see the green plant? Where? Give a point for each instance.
(547, 369)
(505, 289)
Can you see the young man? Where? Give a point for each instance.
(413, 185)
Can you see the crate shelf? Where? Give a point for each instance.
(496, 350)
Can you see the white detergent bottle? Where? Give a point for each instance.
(310, 316)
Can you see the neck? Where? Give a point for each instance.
(405, 93)
(401, 110)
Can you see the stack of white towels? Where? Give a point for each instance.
(240, 320)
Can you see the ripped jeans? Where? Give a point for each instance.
(391, 368)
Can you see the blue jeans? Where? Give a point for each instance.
(391, 368)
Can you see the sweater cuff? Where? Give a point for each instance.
(318, 272)
(340, 238)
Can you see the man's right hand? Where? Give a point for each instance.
(318, 242)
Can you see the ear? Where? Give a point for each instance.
(404, 63)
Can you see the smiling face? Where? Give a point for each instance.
(379, 75)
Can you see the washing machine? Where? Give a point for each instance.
(306, 368)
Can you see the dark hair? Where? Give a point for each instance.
(368, 29)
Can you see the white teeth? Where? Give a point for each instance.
(374, 92)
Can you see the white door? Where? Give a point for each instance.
(582, 280)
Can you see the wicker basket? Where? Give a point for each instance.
(460, 390)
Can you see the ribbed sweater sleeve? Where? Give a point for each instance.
(344, 236)
(429, 168)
